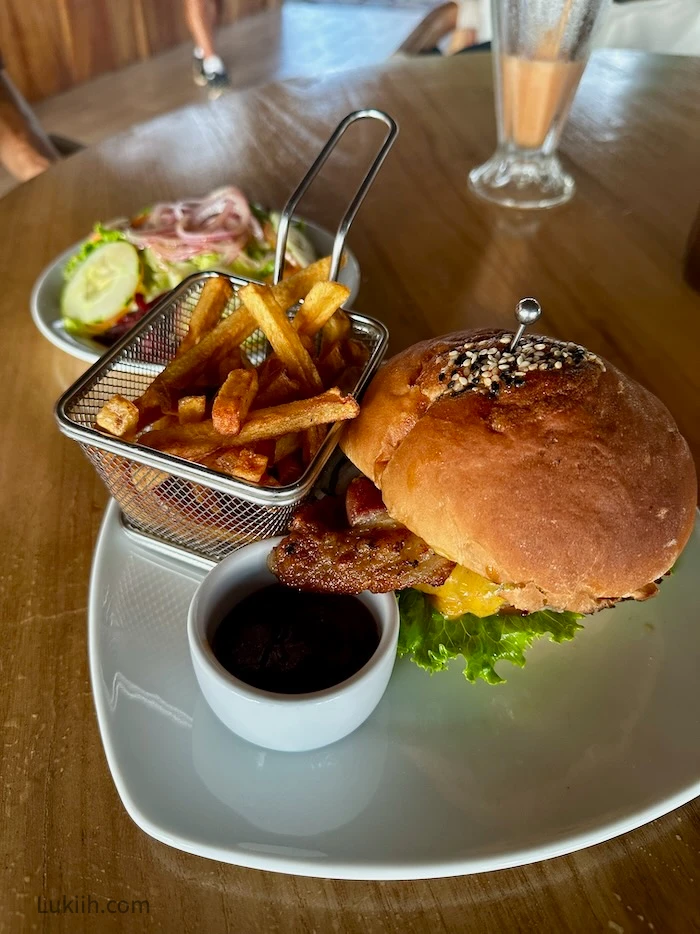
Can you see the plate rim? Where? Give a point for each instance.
(323, 867)
(81, 351)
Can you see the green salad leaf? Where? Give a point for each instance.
(432, 640)
(100, 235)
(203, 261)
(258, 211)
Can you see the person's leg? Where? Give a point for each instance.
(201, 17)
(25, 150)
(207, 68)
(467, 26)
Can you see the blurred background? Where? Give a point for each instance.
(78, 71)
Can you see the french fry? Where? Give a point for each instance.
(232, 359)
(203, 439)
(268, 370)
(282, 389)
(284, 339)
(331, 363)
(330, 406)
(309, 344)
(261, 422)
(251, 467)
(266, 447)
(192, 442)
(118, 416)
(243, 463)
(312, 439)
(286, 444)
(355, 353)
(349, 378)
(191, 409)
(184, 370)
(291, 290)
(214, 298)
(146, 479)
(149, 409)
(324, 299)
(337, 328)
(233, 401)
(165, 421)
(290, 468)
(342, 363)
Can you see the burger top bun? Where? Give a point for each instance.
(547, 470)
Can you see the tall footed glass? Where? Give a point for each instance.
(540, 49)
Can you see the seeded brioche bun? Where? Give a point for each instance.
(562, 479)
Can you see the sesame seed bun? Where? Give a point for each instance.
(568, 483)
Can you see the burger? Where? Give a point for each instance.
(504, 493)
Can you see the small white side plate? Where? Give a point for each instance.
(590, 740)
(45, 301)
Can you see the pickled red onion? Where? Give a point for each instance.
(219, 223)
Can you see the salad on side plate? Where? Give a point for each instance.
(128, 265)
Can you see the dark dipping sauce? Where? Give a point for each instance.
(289, 642)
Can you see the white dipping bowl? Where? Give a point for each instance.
(288, 722)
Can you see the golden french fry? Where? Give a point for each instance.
(312, 439)
(291, 290)
(232, 359)
(261, 426)
(309, 344)
(191, 409)
(286, 444)
(165, 421)
(184, 370)
(204, 439)
(330, 406)
(244, 464)
(331, 363)
(193, 441)
(284, 339)
(337, 328)
(146, 478)
(214, 298)
(282, 389)
(233, 401)
(268, 370)
(118, 416)
(324, 299)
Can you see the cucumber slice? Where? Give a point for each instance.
(102, 286)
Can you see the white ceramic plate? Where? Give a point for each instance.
(591, 739)
(45, 301)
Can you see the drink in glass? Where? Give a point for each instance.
(540, 49)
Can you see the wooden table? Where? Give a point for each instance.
(607, 269)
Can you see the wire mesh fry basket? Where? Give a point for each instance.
(178, 502)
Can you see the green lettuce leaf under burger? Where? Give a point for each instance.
(511, 494)
(431, 640)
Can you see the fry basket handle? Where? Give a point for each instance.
(349, 216)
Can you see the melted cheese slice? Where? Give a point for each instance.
(464, 591)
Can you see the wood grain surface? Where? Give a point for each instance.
(607, 269)
(51, 45)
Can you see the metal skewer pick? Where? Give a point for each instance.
(527, 311)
